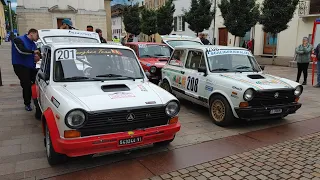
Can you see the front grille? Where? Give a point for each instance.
(267, 98)
(116, 121)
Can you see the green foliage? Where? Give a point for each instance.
(165, 18)
(199, 16)
(148, 21)
(276, 14)
(131, 19)
(239, 15)
(7, 19)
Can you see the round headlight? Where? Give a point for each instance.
(248, 95)
(153, 69)
(172, 108)
(75, 119)
(298, 90)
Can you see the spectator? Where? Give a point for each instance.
(303, 52)
(115, 39)
(317, 53)
(66, 24)
(100, 35)
(90, 28)
(123, 40)
(250, 45)
(24, 57)
(203, 39)
(130, 39)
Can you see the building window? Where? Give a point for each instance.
(179, 22)
(113, 22)
(156, 3)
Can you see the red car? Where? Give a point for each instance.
(152, 56)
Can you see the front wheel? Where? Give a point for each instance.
(53, 157)
(166, 86)
(220, 111)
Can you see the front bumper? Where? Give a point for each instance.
(258, 113)
(110, 142)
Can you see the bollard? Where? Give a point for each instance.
(0, 78)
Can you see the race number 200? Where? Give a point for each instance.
(66, 54)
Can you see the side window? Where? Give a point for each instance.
(43, 61)
(195, 60)
(48, 63)
(178, 58)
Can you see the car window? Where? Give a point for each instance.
(153, 50)
(89, 64)
(178, 58)
(195, 60)
(69, 39)
(43, 61)
(48, 63)
(175, 43)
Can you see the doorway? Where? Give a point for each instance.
(269, 43)
(59, 21)
(223, 36)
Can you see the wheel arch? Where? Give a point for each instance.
(223, 94)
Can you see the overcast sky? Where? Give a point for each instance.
(14, 4)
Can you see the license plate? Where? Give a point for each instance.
(130, 141)
(276, 111)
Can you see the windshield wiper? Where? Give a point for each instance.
(243, 67)
(81, 78)
(116, 75)
(160, 55)
(221, 69)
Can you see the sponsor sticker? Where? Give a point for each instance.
(151, 102)
(160, 63)
(209, 88)
(119, 95)
(142, 46)
(222, 52)
(239, 89)
(142, 88)
(55, 102)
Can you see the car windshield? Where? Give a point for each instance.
(95, 64)
(232, 61)
(175, 43)
(153, 50)
(69, 39)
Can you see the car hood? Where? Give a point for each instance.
(102, 96)
(259, 81)
(156, 61)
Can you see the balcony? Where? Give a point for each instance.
(309, 8)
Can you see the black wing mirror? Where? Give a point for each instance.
(262, 67)
(43, 76)
(203, 69)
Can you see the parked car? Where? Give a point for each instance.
(180, 40)
(152, 57)
(230, 82)
(111, 108)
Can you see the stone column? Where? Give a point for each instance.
(107, 8)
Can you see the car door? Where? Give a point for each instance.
(45, 68)
(175, 70)
(195, 84)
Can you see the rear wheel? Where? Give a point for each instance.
(38, 112)
(166, 86)
(220, 111)
(53, 157)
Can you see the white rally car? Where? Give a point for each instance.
(180, 40)
(229, 81)
(111, 108)
(48, 36)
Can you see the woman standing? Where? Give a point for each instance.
(303, 53)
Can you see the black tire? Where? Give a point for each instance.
(223, 116)
(53, 157)
(164, 143)
(166, 86)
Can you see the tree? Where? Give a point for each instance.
(165, 18)
(131, 19)
(239, 16)
(199, 16)
(7, 18)
(275, 16)
(148, 21)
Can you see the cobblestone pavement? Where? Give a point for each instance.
(294, 159)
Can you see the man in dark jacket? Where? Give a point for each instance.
(204, 40)
(100, 35)
(24, 57)
(66, 24)
(317, 53)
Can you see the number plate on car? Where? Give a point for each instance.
(130, 141)
(276, 111)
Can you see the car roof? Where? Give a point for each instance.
(86, 45)
(137, 43)
(205, 47)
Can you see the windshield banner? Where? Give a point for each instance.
(71, 54)
(83, 52)
(222, 52)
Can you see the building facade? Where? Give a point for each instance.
(48, 14)
(284, 43)
(117, 26)
(153, 4)
(3, 32)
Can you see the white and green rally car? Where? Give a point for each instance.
(230, 82)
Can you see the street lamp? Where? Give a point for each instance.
(11, 24)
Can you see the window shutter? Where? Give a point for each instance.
(183, 24)
(175, 23)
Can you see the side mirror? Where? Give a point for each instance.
(203, 69)
(262, 67)
(43, 76)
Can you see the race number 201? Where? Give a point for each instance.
(65, 54)
(192, 84)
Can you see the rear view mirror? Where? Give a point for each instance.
(262, 67)
(203, 69)
(43, 76)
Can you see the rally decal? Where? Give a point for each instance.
(55, 102)
(222, 52)
(142, 88)
(244, 81)
(179, 81)
(192, 84)
(119, 95)
(66, 54)
(279, 81)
